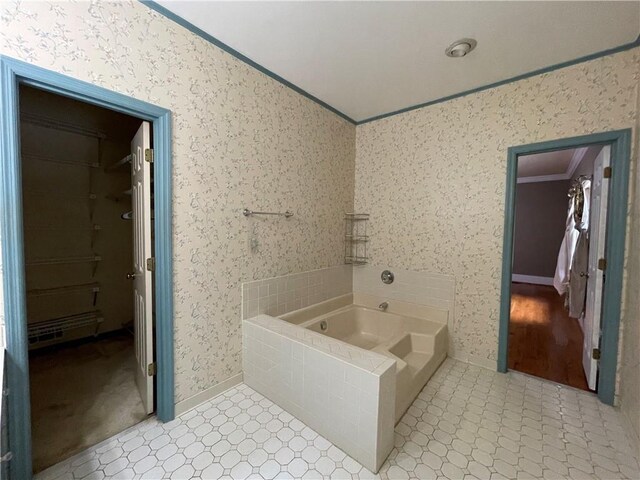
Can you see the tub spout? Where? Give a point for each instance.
(383, 306)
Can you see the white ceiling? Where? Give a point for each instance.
(371, 58)
(556, 165)
(545, 164)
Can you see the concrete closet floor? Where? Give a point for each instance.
(81, 395)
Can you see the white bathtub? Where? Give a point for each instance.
(402, 333)
(346, 369)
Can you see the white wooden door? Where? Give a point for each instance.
(142, 280)
(595, 282)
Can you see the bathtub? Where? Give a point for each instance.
(345, 368)
(414, 336)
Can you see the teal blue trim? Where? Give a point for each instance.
(223, 46)
(164, 267)
(614, 253)
(13, 73)
(517, 78)
(13, 279)
(620, 141)
(507, 258)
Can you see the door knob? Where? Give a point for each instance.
(131, 275)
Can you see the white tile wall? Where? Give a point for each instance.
(350, 404)
(278, 295)
(432, 289)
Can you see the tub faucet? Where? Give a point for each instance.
(383, 306)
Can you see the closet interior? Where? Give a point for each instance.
(78, 235)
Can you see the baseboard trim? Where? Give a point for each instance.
(475, 360)
(516, 277)
(206, 395)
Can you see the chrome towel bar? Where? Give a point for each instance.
(246, 212)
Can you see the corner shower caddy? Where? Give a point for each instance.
(355, 238)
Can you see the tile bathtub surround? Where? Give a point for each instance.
(422, 288)
(278, 295)
(345, 393)
(467, 423)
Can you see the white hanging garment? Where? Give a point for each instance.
(580, 263)
(586, 190)
(570, 241)
(578, 280)
(565, 255)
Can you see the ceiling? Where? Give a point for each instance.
(556, 165)
(371, 58)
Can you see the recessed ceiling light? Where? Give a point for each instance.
(461, 47)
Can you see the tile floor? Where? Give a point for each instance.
(467, 423)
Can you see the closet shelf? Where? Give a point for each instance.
(66, 195)
(49, 327)
(64, 260)
(42, 158)
(118, 164)
(61, 125)
(66, 289)
(93, 228)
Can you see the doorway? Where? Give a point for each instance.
(14, 74)
(78, 230)
(530, 294)
(558, 193)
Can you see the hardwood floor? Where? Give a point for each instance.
(543, 340)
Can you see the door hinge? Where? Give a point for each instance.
(148, 155)
(151, 264)
(152, 369)
(607, 172)
(602, 264)
(595, 354)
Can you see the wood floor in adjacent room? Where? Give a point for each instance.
(543, 340)
(81, 395)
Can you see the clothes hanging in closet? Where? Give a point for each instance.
(578, 279)
(565, 255)
(580, 265)
(573, 258)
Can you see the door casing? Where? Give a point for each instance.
(12, 74)
(620, 142)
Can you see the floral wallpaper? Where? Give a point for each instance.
(433, 179)
(630, 341)
(240, 139)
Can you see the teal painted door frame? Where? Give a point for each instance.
(620, 142)
(12, 74)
